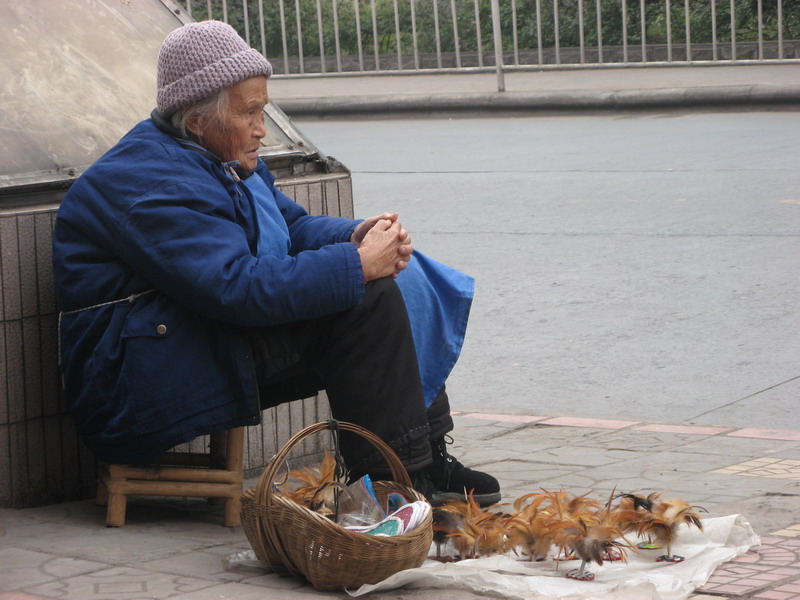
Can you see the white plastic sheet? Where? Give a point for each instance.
(641, 578)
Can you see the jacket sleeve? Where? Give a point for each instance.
(308, 232)
(190, 248)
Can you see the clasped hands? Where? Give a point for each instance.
(383, 245)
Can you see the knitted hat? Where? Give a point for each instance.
(199, 59)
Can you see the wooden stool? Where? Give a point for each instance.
(216, 474)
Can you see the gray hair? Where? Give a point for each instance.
(208, 110)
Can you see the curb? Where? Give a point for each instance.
(788, 435)
(516, 102)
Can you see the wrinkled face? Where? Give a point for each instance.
(237, 136)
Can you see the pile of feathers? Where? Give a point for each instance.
(578, 527)
(568, 526)
(313, 487)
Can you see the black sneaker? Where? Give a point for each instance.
(447, 479)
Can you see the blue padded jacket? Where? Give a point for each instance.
(156, 277)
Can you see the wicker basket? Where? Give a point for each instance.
(295, 540)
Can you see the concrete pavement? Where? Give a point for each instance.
(177, 549)
(628, 264)
(532, 91)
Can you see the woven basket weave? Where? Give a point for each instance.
(295, 540)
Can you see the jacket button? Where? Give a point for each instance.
(161, 329)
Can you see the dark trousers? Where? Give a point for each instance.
(364, 359)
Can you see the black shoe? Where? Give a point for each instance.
(447, 479)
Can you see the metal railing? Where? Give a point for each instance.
(326, 37)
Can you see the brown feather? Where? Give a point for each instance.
(302, 485)
(665, 520)
(480, 532)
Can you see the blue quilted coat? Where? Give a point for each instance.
(156, 275)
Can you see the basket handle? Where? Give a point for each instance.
(264, 488)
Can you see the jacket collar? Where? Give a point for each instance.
(166, 126)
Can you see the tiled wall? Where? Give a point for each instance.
(41, 459)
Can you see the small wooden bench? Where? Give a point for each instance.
(214, 474)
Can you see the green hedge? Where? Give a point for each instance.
(700, 17)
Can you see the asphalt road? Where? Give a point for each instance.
(635, 266)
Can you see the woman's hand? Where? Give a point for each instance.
(383, 245)
(361, 230)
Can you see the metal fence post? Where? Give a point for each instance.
(498, 46)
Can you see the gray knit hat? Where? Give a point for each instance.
(199, 59)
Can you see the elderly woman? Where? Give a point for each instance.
(195, 294)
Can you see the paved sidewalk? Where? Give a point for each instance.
(175, 548)
(531, 91)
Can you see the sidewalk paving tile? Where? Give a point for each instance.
(506, 418)
(635, 440)
(790, 592)
(689, 429)
(121, 582)
(30, 567)
(792, 531)
(768, 434)
(200, 564)
(733, 447)
(774, 468)
(756, 571)
(249, 592)
(584, 422)
(769, 572)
